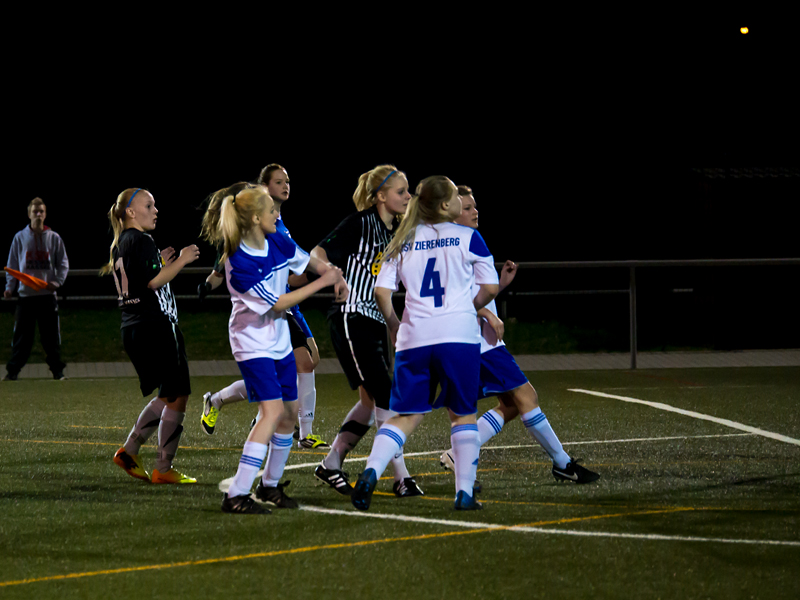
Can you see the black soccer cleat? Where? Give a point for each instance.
(575, 473)
(242, 505)
(407, 488)
(275, 496)
(335, 478)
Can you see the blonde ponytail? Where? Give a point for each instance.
(370, 183)
(240, 202)
(116, 216)
(209, 228)
(422, 208)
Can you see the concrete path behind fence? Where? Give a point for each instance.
(530, 362)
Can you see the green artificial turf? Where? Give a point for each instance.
(74, 525)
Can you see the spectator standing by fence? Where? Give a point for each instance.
(39, 251)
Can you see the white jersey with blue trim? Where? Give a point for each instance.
(438, 271)
(256, 279)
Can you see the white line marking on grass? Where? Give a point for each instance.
(655, 537)
(526, 529)
(406, 518)
(696, 415)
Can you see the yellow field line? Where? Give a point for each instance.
(209, 561)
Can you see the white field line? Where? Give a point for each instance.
(225, 483)
(696, 415)
(525, 529)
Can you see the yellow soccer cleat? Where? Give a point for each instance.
(171, 476)
(131, 464)
(313, 442)
(208, 418)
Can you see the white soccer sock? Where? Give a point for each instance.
(145, 425)
(169, 436)
(489, 425)
(398, 461)
(539, 428)
(235, 392)
(279, 448)
(253, 455)
(356, 425)
(466, 449)
(307, 402)
(388, 443)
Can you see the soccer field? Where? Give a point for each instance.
(699, 498)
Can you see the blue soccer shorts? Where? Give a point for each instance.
(499, 373)
(417, 372)
(268, 379)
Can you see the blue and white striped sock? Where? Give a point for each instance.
(489, 425)
(279, 448)
(388, 442)
(252, 457)
(466, 449)
(539, 429)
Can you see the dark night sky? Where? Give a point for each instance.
(578, 145)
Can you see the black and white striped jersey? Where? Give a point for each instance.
(356, 246)
(137, 260)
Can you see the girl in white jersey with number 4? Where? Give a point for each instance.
(439, 338)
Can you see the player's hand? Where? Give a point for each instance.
(190, 254)
(498, 326)
(340, 290)
(331, 276)
(6, 294)
(51, 287)
(393, 333)
(168, 254)
(507, 274)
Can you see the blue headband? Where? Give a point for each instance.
(382, 182)
(134, 193)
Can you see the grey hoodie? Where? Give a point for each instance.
(39, 254)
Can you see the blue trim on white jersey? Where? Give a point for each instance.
(478, 246)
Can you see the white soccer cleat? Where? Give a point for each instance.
(446, 460)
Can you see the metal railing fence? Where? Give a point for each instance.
(630, 266)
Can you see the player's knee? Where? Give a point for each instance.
(305, 364)
(509, 411)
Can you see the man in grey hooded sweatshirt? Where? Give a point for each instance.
(39, 251)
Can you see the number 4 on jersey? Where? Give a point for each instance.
(432, 284)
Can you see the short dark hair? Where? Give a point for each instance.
(464, 190)
(35, 202)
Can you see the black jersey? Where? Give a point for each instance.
(356, 246)
(137, 260)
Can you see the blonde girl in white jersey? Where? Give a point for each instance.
(438, 339)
